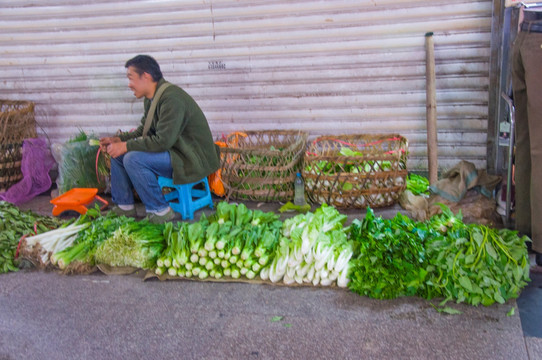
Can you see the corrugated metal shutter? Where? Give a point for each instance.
(326, 67)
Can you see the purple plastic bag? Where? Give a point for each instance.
(36, 163)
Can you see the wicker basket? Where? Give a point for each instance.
(16, 124)
(356, 171)
(262, 165)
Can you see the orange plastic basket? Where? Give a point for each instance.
(76, 199)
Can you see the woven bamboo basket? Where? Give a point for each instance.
(356, 171)
(262, 165)
(16, 124)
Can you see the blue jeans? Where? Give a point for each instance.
(139, 170)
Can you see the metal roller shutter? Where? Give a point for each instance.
(327, 67)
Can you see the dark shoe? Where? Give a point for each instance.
(157, 219)
(538, 259)
(119, 212)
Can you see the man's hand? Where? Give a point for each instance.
(108, 140)
(116, 149)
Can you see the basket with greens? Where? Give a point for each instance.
(356, 171)
(262, 165)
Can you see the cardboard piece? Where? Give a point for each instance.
(116, 270)
(151, 275)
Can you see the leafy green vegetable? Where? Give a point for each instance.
(39, 247)
(474, 263)
(390, 256)
(79, 164)
(235, 241)
(84, 247)
(417, 184)
(15, 223)
(442, 257)
(80, 136)
(314, 248)
(137, 244)
(447, 310)
(346, 151)
(289, 206)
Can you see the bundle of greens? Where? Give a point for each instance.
(358, 167)
(474, 263)
(80, 164)
(39, 248)
(417, 184)
(390, 256)
(234, 242)
(80, 255)
(14, 224)
(313, 248)
(441, 257)
(135, 244)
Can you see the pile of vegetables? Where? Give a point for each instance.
(348, 177)
(15, 224)
(234, 242)
(417, 184)
(314, 249)
(136, 244)
(76, 245)
(474, 263)
(390, 256)
(324, 167)
(381, 258)
(266, 161)
(80, 256)
(40, 248)
(80, 164)
(441, 257)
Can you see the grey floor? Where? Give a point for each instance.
(45, 315)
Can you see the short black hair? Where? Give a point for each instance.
(145, 64)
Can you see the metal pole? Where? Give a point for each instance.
(511, 111)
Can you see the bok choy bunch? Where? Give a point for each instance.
(313, 249)
(233, 242)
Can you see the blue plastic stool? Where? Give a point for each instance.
(186, 200)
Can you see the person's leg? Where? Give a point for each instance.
(523, 151)
(143, 168)
(121, 185)
(531, 53)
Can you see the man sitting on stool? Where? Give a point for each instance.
(177, 144)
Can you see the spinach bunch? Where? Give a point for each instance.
(475, 264)
(441, 257)
(391, 256)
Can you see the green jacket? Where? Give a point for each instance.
(180, 127)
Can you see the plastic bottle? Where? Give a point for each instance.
(299, 191)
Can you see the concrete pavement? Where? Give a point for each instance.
(53, 316)
(45, 315)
